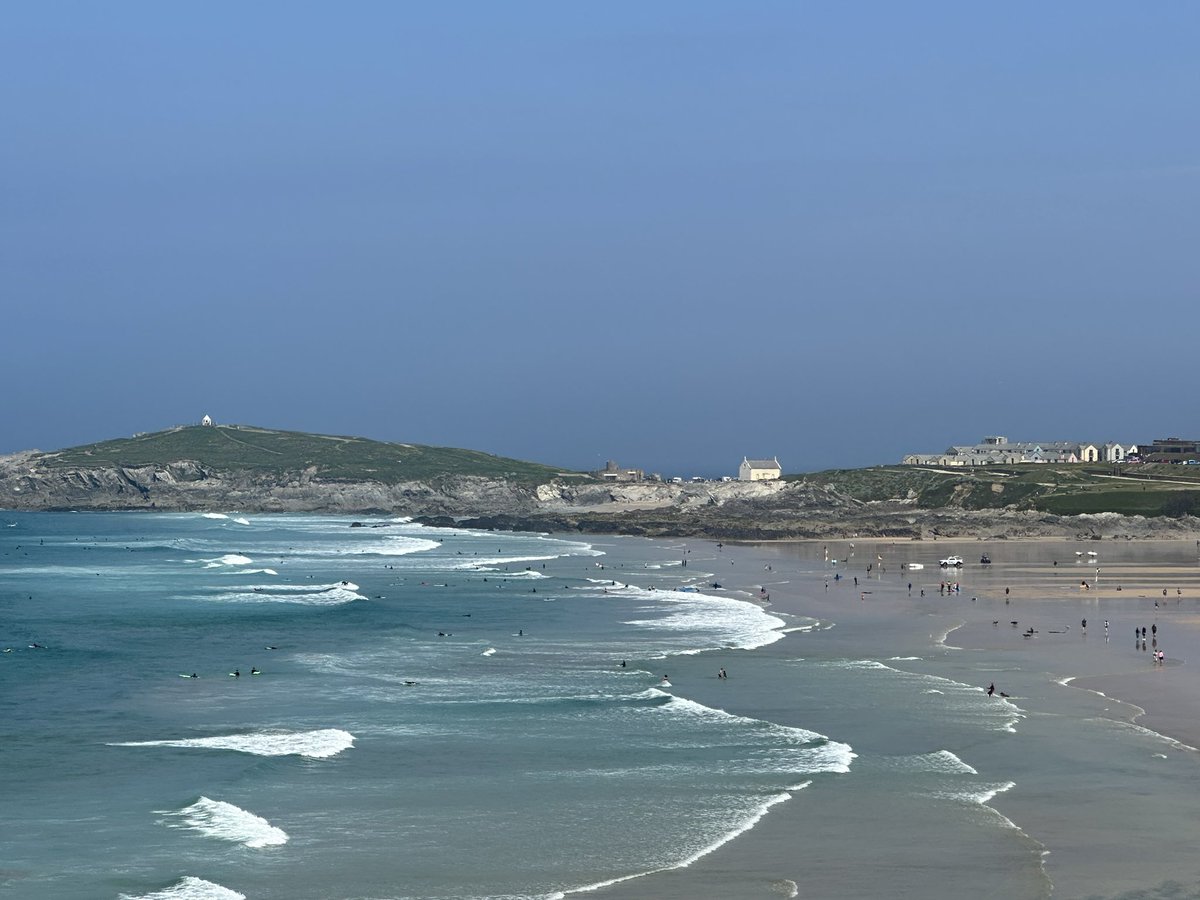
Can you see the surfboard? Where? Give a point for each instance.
(181, 675)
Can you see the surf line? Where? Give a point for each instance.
(754, 819)
(941, 641)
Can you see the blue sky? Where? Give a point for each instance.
(672, 234)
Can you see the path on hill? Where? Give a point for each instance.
(226, 435)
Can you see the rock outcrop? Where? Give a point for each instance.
(720, 510)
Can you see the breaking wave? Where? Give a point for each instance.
(320, 744)
(189, 888)
(218, 819)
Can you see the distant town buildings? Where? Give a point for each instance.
(1171, 450)
(759, 469)
(997, 450)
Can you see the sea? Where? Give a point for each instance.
(217, 706)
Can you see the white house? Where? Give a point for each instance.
(1088, 453)
(759, 469)
(1114, 452)
(207, 420)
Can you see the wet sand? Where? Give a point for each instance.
(1069, 680)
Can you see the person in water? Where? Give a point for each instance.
(991, 689)
(237, 673)
(254, 671)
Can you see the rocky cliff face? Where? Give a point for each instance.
(187, 486)
(726, 510)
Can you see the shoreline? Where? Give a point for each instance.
(1110, 680)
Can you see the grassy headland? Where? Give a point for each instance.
(282, 453)
(1143, 489)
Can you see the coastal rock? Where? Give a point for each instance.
(783, 509)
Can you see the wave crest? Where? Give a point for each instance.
(189, 888)
(218, 819)
(320, 744)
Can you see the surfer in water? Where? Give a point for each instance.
(991, 689)
(254, 671)
(237, 673)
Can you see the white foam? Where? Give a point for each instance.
(753, 819)
(229, 559)
(986, 795)
(218, 819)
(189, 888)
(330, 597)
(242, 521)
(320, 744)
(488, 652)
(304, 594)
(477, 561)
(946, 762)
(215, 516)
(830, 756)
(963, 699)
(399, 545)
(717, 621)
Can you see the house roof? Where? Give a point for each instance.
(761, 463)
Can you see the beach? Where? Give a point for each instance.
(1091, 792)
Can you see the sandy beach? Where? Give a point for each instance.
(1103, 735)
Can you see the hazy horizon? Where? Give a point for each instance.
(672, 235)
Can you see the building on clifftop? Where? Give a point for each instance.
(207, 420)
(759, 469)
(613, 472)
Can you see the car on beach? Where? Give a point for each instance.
(951, 562)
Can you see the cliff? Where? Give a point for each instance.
(238, 468)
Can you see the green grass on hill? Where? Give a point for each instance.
(1065, 489)
(334, 458)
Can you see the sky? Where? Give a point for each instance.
(671, 234)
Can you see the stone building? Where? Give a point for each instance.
(759, 469)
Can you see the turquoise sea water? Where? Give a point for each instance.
(439, 713)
